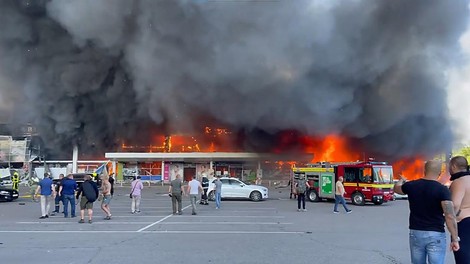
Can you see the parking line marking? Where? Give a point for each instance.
(65, 231)
(159, 221)
(152, 232)
(229, 216)
(97, 223)
(225, 232)
(224, 223)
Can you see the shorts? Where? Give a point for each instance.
(84, 204)
(106, 199)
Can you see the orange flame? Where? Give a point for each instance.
(331, 148)
(411, 169)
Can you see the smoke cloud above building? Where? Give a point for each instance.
(93, 72)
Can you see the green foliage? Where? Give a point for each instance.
(465, 151)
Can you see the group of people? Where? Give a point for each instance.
(193, 189)
(300, 187)
(431, 205)
(67, 191)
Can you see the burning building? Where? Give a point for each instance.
(113, 76)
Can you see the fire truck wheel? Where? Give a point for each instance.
(313, 196)
(255, 196)
(358, 198)
(211, 196)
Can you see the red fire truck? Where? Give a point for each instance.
(363, 181)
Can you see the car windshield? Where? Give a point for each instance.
(383, 174)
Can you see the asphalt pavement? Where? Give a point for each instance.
(241, 231)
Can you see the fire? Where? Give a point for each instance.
(331, 148)
(411, 169)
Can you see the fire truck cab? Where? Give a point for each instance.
(363, 181)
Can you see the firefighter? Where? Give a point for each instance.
(205, 187)
(15, 180)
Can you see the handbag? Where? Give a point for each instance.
(130, 195)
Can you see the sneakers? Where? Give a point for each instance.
(89, 221)
(180, 213)
(194, 213)
(81, 221)
(107, 217)
(47, 216)
(299, 210)
(335, 212)
(305, 210)
(349, 211)
(138, 211)
(42, 217)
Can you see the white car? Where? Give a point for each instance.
(235, 188)
(397, 196)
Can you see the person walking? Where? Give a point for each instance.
(136, 194)
(339, 196)
(205, 187)
(430, 206)
(460, 192)
(89, 193)
(194, 186)
(218, 191)
(58, 196)
(300, 189)
(106, 196)
(176, 191)
(46, 189)
(292, 189)
(68, 187)
(33, 185)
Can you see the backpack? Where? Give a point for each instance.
(89, 191)
(301, 186)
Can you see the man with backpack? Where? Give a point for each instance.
(89, 192)
(301, 188)
(205, 187)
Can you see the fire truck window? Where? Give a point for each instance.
(366, 175)
(351, 174)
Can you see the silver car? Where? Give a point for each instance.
(235, 188)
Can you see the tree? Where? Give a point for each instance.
(465, 151)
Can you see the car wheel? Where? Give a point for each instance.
(358, 199)
(255, 196)
(313, 196)
(211, 196)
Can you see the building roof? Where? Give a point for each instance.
(184, 157)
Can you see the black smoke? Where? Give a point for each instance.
(99, 72)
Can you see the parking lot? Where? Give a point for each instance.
(270, 231)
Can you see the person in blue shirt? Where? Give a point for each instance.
(47, 191)
(67, 189)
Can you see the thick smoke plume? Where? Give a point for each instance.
(95, 72)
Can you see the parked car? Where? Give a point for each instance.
(235, 188)
(8, 194)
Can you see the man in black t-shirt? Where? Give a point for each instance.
(430, 206)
